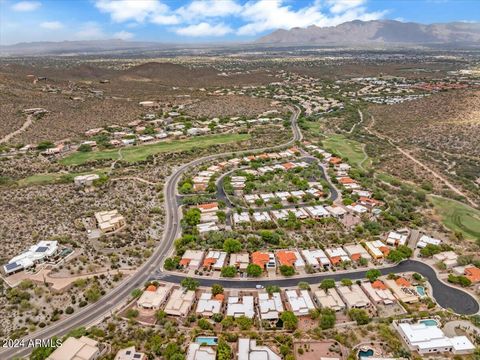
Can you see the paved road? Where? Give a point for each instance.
(222, 196)
(447, 297)
(116, 298)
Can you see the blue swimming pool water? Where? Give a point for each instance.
(209, 340)
(363, 354)
(429, 322)
(421, 290)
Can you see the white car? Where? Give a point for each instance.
(258, 286)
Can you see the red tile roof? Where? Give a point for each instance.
(377, 284)
(473, 274)
(403, 282)
(260, 259)
(286, 257)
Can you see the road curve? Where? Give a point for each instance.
(117, 296)
(446, 296)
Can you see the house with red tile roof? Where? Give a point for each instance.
(473, 274)
(209, 207)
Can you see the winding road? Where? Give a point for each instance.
(448, 297)
(118, 296)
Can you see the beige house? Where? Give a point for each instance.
(77, 349)
(109, 221)
(180, 302)
(85, 180)
(153, 297)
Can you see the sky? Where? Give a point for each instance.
(205, 20)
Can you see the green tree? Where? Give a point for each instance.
(160, 315)
(132, 313)
(192, 217)
(204, 324)
(254, 270)
(290, 320)
(272, 289)
(346, 282)
(224, 351)
(229, 271)
(186, 188)
(430, 250)
(84, 148)
(44, 145)
(189, 284)
(270, 237)
(232, 245)
(136, 293)
(286, 270)
(217, 289)
(173, 352)
(244, 323)
(373, 274)
(303, 285)
(360, 316)
(327, 284)
(222, 216)
(171, 263)
(327, 319)
(93, 293)
(42, 352)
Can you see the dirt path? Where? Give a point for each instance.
(418, 162)
(26, 124)
(355, 125)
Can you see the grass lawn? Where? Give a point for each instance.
(141, 152)
(347, 148)
(43, 179)
(458, 217)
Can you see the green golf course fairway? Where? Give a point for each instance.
(141, 152)
(347, 148)
(458, 217)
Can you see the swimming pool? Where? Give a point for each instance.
(362, 354)
(208, 340)
(421, 290)
(429, 322)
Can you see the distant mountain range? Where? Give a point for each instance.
(388, 32)
(76, 47)
(356, 34)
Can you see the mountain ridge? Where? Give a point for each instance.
(377, 32)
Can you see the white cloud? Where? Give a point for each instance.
(137, 10)
(26, 6)
(266, 15)
(51, 25)
(204, 29)
(201, 9)
(340, 6)
(90, 31)
(209, 17)
(123, 35)
(161, 19)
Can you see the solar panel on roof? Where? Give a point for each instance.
(12, 266)
(42, 249)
